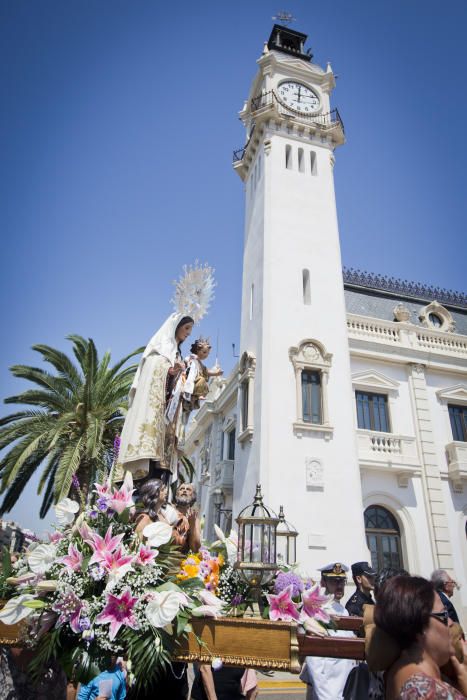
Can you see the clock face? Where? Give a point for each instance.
(298, 97)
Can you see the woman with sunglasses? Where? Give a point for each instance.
(409, 610)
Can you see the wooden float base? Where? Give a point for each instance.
(250, 642)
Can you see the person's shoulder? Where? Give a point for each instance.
(420, 685)
(354, 603)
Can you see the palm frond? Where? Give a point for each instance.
(48, 498)
(116, 368)
(46, 399)
(17, 487)
(68, 465)
(29, 447)
(62, 364)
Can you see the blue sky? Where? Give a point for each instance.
(117, 127)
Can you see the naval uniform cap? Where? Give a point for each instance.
(362, 567)
(334, 570)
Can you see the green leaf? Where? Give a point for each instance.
(34, 604)
(169, 586)
(6, 563)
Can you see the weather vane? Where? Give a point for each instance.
(284, 17)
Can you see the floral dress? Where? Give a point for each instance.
(422, 686)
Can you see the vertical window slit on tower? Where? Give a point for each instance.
(301, 161)
(313, 162)
(306, 287)
(288, 157)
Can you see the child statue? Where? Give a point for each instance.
(196, 386)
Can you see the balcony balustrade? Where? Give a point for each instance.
(405, 336)
(395, 454)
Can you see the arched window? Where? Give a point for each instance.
(383, 538)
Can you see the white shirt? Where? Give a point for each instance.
(324, 676)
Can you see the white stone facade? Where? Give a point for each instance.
(295, 327)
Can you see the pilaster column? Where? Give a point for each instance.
(431, 477)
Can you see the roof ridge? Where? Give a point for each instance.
(371, 280)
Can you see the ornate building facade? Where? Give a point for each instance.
(349, 400)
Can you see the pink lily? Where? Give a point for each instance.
(120, 500)
(103, 545)
(111, 561)
(118, 611)
(74, 559)
(86, 532)
(69, 607)
(103, 490)
(314, 601)
(55, 537)
(282, 607)
(145, 555)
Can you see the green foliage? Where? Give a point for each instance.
(5, 572)
(150, 650)
(46, 650)
(75, 411)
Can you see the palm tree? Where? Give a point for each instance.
(78, 411)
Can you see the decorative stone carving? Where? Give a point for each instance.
(401, 313)
(310, 351)
(314, 473)
(436, 309)
(418, 369)
(247, 362)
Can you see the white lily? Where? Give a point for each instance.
(230, 543)
(41, 558)
(47, 586)
(313, 627)
(14, 610)
(163, 607)
(116, 574)
(157, 534)
(212, 605)
(65, 511)
(19, 580)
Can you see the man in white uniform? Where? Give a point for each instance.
(326, 677)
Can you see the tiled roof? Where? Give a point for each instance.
(403, 288)
(379, 304)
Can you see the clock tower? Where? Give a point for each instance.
(295, 428)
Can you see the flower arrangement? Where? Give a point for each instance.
(203, 566)
(300, 601)
(96, 588)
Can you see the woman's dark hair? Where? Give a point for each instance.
(403, 608)
(148, 495)
(384, 575)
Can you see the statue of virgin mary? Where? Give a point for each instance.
(149, 435)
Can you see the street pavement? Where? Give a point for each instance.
(280, 686)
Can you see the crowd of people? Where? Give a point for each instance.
(415, 647)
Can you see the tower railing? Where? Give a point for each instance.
(268, 100)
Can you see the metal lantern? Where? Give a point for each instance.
(286, 541)
(256, 554)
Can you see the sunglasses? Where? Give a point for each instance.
(441, 616)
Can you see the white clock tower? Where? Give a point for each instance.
(295, 423)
